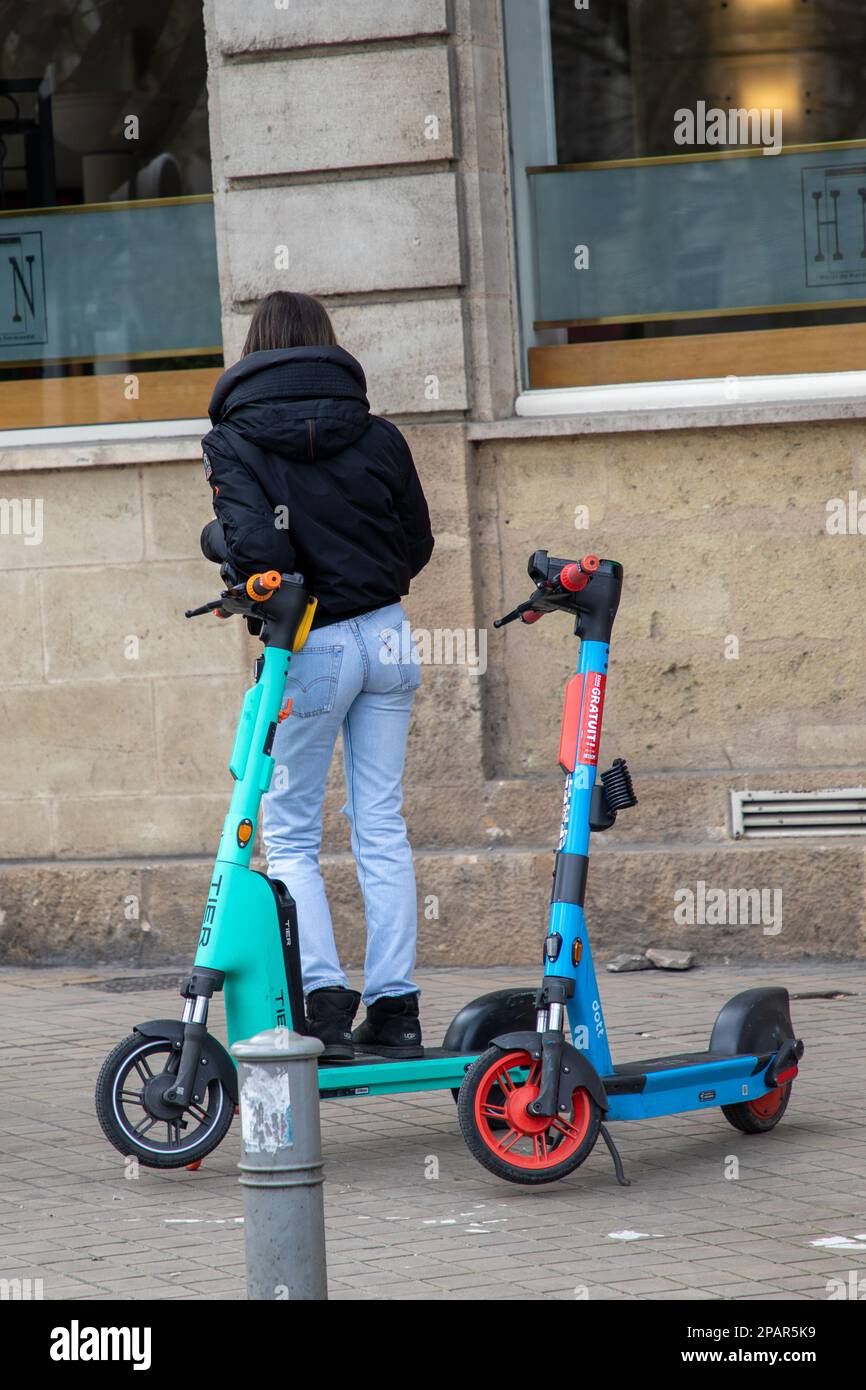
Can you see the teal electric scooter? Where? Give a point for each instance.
(168, 1092)
(531, 1069)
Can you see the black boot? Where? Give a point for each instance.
(330, 1015)
(391, 1027)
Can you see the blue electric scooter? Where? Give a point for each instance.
(532, 1106)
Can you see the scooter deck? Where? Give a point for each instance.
(627, 1074)
(370, 1073)
(636, 1090)
(684, 1081)
(360, 1058)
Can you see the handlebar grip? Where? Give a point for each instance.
(576, 576)
(573, 579)
(261, 586)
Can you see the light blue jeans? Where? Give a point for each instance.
(358, 677)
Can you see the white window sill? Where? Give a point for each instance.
(88, 446)
(99, 434)
(670, 405)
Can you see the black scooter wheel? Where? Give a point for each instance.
(137, 1121)
(502, 1134)
(759, 1116)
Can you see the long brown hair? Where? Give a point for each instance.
(284, 319)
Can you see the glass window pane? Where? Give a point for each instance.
(705, 210)
(109, 294)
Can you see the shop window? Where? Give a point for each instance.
(690, 187)
(109, 296)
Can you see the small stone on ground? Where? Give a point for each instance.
(670, 960)
(626, 961)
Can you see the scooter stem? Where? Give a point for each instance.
(581, 737)
(251, 763)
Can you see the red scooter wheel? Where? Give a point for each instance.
(759, 1116)
(501, 1132)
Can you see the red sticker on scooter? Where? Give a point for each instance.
(590, 719)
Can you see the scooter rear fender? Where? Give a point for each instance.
(479, 1021)
(759, 1021)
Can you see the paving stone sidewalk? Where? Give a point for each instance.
(410, 1215)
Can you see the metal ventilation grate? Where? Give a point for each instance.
(837, 812)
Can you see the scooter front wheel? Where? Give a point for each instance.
(137, 1120)
(500, 1131)
(759, 1116)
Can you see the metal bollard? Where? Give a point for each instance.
(281, 1166)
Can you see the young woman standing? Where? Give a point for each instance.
(305, 478)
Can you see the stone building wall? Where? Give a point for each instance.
(359, 151)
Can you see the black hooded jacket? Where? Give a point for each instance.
(305, 478)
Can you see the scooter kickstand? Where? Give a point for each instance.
(617, 1161)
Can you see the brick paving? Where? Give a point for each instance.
(410, 1215)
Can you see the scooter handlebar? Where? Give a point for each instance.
(259, 588)
(571, 579)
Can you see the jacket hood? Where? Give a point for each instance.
(302, 403)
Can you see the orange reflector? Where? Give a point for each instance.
(570, 724)
(245, 832)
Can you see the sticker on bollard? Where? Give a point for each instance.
(281, 1166)
(266, 1111)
